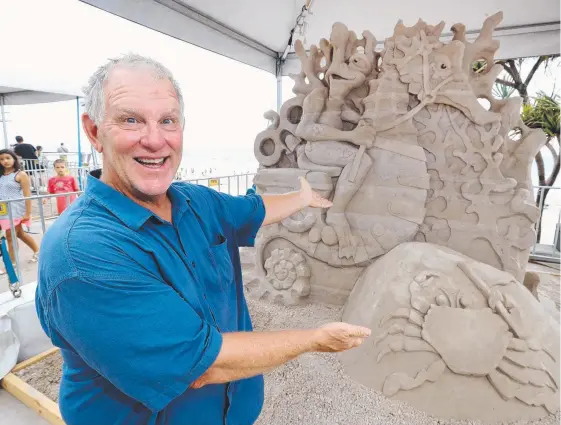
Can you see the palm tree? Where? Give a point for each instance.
(515, 80)
(544, 113)
(501, 91)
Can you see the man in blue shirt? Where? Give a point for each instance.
(140, 280)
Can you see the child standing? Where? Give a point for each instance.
(61, 183)
(15, 184)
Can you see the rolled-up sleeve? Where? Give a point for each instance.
(135, 331)
(246, 215)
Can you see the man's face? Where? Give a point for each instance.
(141, 135)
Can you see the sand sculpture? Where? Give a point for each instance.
(454, 337)
(431, 224)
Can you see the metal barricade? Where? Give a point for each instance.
(38, 172)
(41, 212)
(236, 184)
(41, 170)
(548, 226)
(45, 214)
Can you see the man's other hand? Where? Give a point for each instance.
(311, 198)
(335, 337)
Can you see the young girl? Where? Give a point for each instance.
(15, 184)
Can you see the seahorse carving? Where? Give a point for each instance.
(480, 177)
(400, 142)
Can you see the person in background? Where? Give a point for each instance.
(43, 165)
(62, 149)
(25, 150)
(28, 154)
(62, 183)
(15, 184)
(42, 159)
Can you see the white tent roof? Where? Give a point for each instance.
(256, 32)
(19, 96)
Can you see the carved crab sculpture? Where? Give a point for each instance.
(442, 322)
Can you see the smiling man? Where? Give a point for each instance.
(140, 280)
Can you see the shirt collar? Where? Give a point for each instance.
(124, 208)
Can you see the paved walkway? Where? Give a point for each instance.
(13, 412)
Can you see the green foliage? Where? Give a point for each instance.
(543, 113)
(501, 91)
(479, 66)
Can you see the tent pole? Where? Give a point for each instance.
(3, 114)
(79, 143)
(279, 93)
(279, 64)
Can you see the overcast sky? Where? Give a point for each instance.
(61, 42)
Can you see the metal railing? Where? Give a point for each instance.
(548, 226)
(39, 211)
(40, 170)
(236, 184)
(45, 212)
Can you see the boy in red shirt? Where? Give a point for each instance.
(61, 183)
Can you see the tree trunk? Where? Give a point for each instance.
(543, 181)
(523, 90)
(541, 193)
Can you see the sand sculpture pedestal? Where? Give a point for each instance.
(432, 222)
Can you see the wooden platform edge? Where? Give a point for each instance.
(34, 359)
(32, 398)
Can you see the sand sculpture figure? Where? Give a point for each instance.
(454, 337)
(432, 219)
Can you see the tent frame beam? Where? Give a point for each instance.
(196, 28)
(187, 24)
(216, 25)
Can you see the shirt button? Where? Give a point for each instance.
(193, 264)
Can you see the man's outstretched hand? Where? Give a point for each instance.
(311, 198)
(246, 354)
(335, 337)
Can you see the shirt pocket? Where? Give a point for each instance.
(222, 264)
(222, 294)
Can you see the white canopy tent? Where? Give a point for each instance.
(254, 32)
(21, 96)
(257, 32)
(27, 96)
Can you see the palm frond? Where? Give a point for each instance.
(544, 113)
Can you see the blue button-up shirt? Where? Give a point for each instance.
(138, 305)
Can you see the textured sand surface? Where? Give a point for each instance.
(314, 389)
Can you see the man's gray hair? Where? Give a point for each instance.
(93, 91)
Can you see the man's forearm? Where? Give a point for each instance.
(278, 207)
(246, 354)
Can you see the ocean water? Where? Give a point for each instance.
(197, 164)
